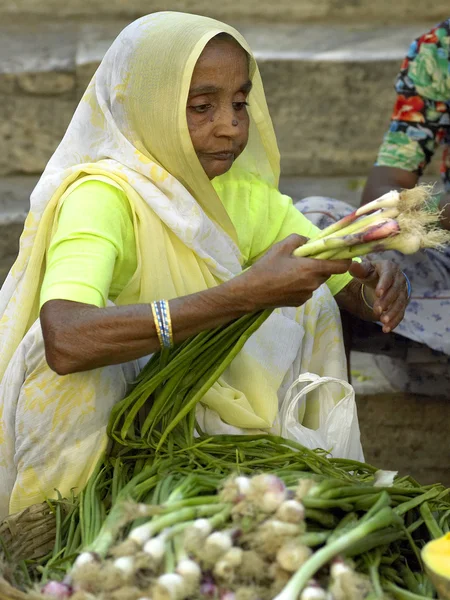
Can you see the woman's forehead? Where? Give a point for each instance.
(220, 60)
(222, 48)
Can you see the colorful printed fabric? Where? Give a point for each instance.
(426, 318)
(421, 116)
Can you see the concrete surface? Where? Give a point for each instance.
(329, 89)
(406, 433)
(384, 11)
(14, 201)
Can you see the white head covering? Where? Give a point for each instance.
(131, 126)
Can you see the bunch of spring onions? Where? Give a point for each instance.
(290, 536)
(396, 221)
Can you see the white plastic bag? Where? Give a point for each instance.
(338, 429)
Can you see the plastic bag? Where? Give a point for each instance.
(338, 430)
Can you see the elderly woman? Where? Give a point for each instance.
(164, 187)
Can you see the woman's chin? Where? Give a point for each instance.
(219, 167)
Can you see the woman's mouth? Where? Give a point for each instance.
(221, 155)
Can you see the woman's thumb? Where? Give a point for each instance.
(364, 270)
(292, 242)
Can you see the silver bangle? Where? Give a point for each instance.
(363, 296)
(370, 306)
(408, 285)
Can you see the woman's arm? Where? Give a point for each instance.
(80, 337)
(384, 179)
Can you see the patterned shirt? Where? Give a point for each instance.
(421, 118)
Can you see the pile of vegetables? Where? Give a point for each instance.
(319, 528)
(240, 518)
(172, 513)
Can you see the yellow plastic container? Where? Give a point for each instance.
(436, 557)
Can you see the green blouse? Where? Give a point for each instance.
(92, 254)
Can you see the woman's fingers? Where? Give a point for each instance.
(390, 291)
(387, 272)
(331, 267)
(280, 279)
(394, 314)
(365, 271)
(292, 242)
(399, 285)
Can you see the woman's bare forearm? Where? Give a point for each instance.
(444, 206)
(80, 337)
(384, 179)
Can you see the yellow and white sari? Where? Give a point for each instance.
(130, 127)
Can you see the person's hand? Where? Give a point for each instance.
(390, 290)
(281, 279)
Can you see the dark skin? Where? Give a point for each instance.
(216, 111)
(80, 337)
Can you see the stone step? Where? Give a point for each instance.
(404, 432)
(382, 11)
(329, 88)
(14, 202)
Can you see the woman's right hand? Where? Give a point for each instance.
(281, 279)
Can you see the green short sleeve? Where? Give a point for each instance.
(263, 216)
(92, 253)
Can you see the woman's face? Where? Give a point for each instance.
(216, 109)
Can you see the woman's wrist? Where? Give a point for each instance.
(444, 206)
(369, 297)
(234, 296)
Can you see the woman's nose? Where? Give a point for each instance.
(226, 123)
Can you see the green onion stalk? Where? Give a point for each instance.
(397, 221)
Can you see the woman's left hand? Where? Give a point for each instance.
(387, 290)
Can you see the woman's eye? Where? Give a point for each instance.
(239, 105)
(201, 108)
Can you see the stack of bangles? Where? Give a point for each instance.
(163, 322)
(370, 306)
